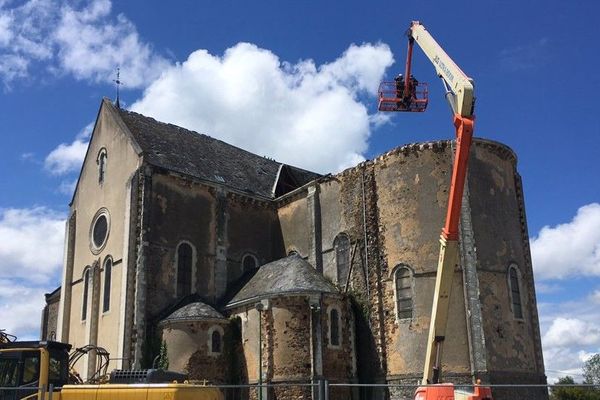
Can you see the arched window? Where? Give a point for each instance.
(185, 255)
(249, 262)
(86, 287)
(108, 263)
(404, 292)
(215, 340)
(101, 161)
(514, 286)
(341, 244)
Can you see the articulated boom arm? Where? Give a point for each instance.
(461, 86)
(459, 93)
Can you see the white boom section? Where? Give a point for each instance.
(460, 84)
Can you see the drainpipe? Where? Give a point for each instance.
(260, 307)
(316, 344)
(364, 214)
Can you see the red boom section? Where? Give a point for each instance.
(464, 137)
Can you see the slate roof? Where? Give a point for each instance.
(180, 150)
(193, 312)
(289, 275)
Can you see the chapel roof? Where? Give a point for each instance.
(286, 276)
(184, 151)
(193, 312)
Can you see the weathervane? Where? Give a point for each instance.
(119, 83)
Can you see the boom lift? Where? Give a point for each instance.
(407, 94)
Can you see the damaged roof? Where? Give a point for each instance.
(193, 312)
(289, 275)
(180, 150)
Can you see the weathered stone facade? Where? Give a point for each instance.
(192, 219)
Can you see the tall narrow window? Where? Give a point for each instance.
(86, 287)
(334, 327)
(216, 341)
(404, 293)
(515, 291)
(101, 160)
(107, 284)
(341, 244)
(184, 269)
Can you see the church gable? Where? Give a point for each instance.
(110, 151)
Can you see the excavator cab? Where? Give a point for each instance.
(25, 367)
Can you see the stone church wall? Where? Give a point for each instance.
(188, 349)
(496, 201)
(179, 211)
(398, 203)
(412, 189)
(222, 228)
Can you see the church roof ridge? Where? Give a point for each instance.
(198, 155)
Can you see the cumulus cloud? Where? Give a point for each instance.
(564, 332)
(30, 262)
(569, 249)
(20, 308)
(32, 243)
(90, 46)
(80, 38)
(68, 157)
(570, 333)
(301, 114)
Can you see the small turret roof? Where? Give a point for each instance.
(286, 276)
(195, 311)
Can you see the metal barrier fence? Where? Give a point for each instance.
(324, 390)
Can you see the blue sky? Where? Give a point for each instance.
(263, 74)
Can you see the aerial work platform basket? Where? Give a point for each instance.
(392, 98)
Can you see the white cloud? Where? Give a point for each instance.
(20, 308)
(66, 157)
(91, 46)
(32, 243)
(72, 37)
(570, 249)
(301, 114)
(570, 333)
(566, 332)
(30, 262)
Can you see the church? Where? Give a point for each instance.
(248, 270)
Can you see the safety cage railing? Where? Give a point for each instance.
(392, 97)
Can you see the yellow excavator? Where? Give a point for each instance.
(42, 370)
(406, 94)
